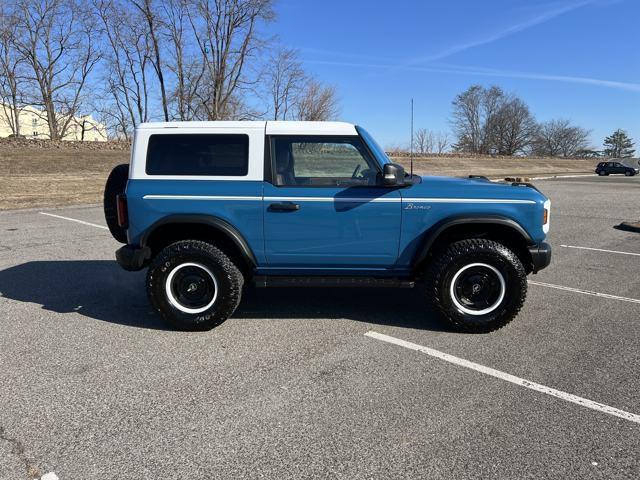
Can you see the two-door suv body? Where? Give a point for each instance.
(211, 207)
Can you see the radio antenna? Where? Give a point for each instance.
(411, 146)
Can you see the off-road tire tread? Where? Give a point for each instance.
(438, 268)
(195, 250)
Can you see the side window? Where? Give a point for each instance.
(322, 161)
(198, 154)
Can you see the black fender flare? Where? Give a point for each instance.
(432, 234)
(219, 224)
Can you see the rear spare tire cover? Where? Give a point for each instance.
(116, 184)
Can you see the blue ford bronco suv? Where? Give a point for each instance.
(210, 207)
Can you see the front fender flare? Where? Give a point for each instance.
(432, 234)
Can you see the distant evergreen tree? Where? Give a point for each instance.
(618, 145)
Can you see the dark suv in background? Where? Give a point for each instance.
(607, 168)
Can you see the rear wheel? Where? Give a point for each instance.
(194, 285)
(116, 185)
(477, 285)
(602, 173)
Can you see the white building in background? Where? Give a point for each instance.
(33, 124)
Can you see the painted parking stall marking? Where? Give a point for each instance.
(601, 250)
(49, 476)
(74, 220)
(567, 397)
(583, 292)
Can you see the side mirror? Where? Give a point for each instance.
(392, 175)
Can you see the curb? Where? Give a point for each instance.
(565, 176)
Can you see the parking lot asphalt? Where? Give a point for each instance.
(94, 386)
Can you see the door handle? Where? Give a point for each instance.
(284, 207)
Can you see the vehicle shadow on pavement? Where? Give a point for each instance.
(97, 289)
(101, 290)
(400, 307)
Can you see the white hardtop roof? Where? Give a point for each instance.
(270, 127)
(310, 128)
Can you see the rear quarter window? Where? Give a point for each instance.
(225, 155)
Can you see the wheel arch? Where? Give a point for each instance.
(502, 229)
(207, 228)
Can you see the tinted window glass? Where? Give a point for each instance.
(322, 161)
(198, 154)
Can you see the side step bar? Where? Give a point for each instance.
(312, 281)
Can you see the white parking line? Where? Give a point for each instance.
(601, 250)
(49, 476)
(584, 292)
(568, 397)
(74, 220)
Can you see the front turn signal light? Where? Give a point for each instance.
(545, 216)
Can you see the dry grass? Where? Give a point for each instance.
(498, 167)
(35, 177)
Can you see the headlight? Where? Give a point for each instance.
(546, 216)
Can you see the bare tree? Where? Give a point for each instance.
(126, 61)
(474, 118)
(423, 141)
(154, 24)
(442, 142)
(317, 102)
(486, 120)
(284, 79)
(227, 38)
(467, 121)
(560, 138)
(11, 71)
(514, 128)
(58, 43)
(188, 70)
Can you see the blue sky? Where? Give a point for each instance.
(567, 59)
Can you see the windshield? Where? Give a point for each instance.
(376, 149)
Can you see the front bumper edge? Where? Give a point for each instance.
(540, 256)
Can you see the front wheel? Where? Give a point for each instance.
(628, 173)
(194, 285)
(477, 285)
